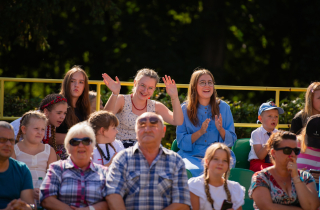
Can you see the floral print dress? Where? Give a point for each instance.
(264, 178)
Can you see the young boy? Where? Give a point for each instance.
(268, 115)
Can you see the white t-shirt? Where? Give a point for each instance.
(218, 194)
(97, 158)
(258, 136)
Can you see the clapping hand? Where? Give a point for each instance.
(114, 86)
(204, 126)
(171, 87)
(218, 122)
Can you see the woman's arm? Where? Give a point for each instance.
(307, 194)
(262, 198)
(226, 117)
(195, 201)
(52, 203)
(115, 202)
(113, 104)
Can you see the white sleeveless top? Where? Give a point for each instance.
(37, 164)
(127, 119)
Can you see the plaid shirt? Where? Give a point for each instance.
(73, 186)
(147, 187)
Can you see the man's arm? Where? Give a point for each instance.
(27, 196)
(115, 202)
(52, 203)
(177, 206)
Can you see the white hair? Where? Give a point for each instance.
(80, 128)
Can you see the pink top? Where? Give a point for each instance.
(310, 159)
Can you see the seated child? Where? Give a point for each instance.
(268, 115)
(104, 124)
(93, 101)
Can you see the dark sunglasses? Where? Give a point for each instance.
(288, 150)
(76, 141)
(4, 140)
(152, 120)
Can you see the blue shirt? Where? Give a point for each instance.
(199, 147)
(147, 187)
(14, 180)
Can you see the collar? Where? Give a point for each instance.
(161, 149)
(70, 164)
(264, 131)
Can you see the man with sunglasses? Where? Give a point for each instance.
(147, 175)
(16, 189)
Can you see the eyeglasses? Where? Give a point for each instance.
(76, 141)
(152, 120)
(143, 86)
(288, 150)
(4, 140)
(204, 83)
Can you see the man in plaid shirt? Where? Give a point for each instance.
(148, 176)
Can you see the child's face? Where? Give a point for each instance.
(93, 103)
(110, 133)
(57, 114)
(219, 163)
(34, 131)
(269, 119)
(77, 84)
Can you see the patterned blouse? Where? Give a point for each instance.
(264, 178)
(127, 119)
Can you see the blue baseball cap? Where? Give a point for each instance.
(268, 106)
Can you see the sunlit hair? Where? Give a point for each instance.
(207, 158)
(276, 138)
(92, 95)
(83, 104)
(26, 117)
(307, 110)
(103, 119)
(46, 100)
(82, 128)
(152, 114)
(193, 97)
(6, 125)
(148, 73)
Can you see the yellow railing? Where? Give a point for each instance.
(99, 83)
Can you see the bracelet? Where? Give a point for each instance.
(114, 94)
(91, 208)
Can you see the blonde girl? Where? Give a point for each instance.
(31, 150)
(210, 190)
(311, 107)
(104, 124)
(127, 108)
(54, 106)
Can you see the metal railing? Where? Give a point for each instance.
(98, 83)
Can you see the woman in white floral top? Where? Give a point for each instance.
(283, 186)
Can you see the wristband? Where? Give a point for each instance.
(114, 95)
(91, 208)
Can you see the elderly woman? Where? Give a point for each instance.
(283, 186)
(75, 183)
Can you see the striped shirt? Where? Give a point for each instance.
(147, 187)
(74, 186)
(310, 159)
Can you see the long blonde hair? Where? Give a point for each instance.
(193, 98)
(208, 157)
(307, 110)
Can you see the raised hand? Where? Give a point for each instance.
(204, 126)
(218, 122)
(292, 167)
(171, 87)
(114, 86)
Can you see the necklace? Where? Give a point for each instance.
(136, 107)
(102, 153)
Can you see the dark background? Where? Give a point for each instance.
(247, 43)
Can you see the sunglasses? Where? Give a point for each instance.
(4, 140)
(76, 141)
(152, 120)
(288, 150)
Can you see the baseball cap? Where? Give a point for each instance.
(313, 131)
(268, 106)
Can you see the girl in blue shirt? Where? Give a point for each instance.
(207, 119)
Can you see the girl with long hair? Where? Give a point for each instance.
(212, 189)
(311, 107)
(127, 108)
(207, 119)
(75, 89)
